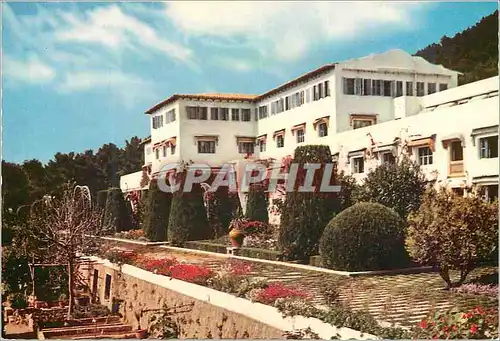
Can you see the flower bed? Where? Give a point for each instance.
(477, 289)
(133, 235)
(235, 277)
(221, 247)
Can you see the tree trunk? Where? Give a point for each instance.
(71, 281)
(463, 276)
(445, 275)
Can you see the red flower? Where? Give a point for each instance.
(435, 337)
(480, 310)
(454, 328)
(423, 324)
(473, 329)
(277, 290)
(191, 273)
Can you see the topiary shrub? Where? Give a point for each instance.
(257, 203)
(365, 236)
(305, 214)
(157, 213)
(398, 186)
(188, 218)
(452, 232)
(117, 216)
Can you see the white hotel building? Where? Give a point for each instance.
(367, 110)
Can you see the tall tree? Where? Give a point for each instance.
(63, 225)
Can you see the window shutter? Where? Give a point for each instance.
(357, 86)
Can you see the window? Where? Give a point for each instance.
(488, 147)
(157, 153)
(95, 280)
(262, 145)
(443, 87)
(224, 114)
(367, 87)
(172, 149)
(263, 111)
(358, 82)
(327, 88)
(399, 89)
(388, 158)
(164, 151)
(376, 87)
(235, 114)
(358, 165)
(197, 113)
(459, 191)
(281, 105)
(457, 152)
(322, 130)
(107, 287)
(489, 192)
(387, 88)
(148, 150)
(301, 98)
(420, 88)
(170, 116)
(431, 88)
(206, 147)
(315, 93)
(356, 124)
(157, 121)
(349, 86)
(288, 103)
(280, 141)
(424, 156)
(246, 115)
(214, 114)
(409, 88)
(320, 91)
(300, 135)
(246, 147)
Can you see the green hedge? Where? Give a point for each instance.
(244, 251)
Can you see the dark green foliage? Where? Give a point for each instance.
(398, 186)
(157, 213)
(366, 236)
(117, 216)
(188, 217)
(305, 214)
(473, 51)
(257, 204)
(102, 197)
(222, 208)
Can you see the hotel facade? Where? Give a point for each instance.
(367, 110)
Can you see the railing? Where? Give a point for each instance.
(456, 167)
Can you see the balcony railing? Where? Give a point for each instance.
(456, 168)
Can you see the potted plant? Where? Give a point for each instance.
(63, 299)
(139, 332)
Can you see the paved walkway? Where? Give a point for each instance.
(401, 299)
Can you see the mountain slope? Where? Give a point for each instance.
(474, 51)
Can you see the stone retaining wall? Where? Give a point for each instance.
(213, 314)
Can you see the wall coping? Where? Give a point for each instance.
(306, 267)
(131, 241)
(260, 312)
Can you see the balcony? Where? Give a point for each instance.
(456, 168)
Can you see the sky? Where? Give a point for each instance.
(78, 75)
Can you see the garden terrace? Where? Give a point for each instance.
(403, 299)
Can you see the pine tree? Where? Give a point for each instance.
(157, 213)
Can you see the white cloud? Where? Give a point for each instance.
(287, 30)
(31, 70)
(111, 27)
(125, 88)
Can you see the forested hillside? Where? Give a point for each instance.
(474, 51)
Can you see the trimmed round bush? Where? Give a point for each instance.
(366, 236)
